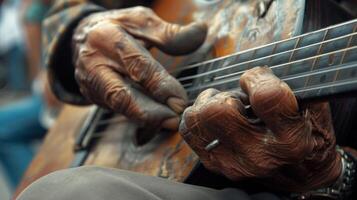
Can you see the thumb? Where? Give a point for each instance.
(178, 40)
(271, 99)
(144, 24)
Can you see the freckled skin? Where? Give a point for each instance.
(113, 66)
(290, 149)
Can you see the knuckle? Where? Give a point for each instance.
(117, 98)
(143, 10)
(269, 94)
(207, 94)
(82, 77)
(255, 77)
(140, 67)
(162, 86)
(187, 113)
(190, 118)
(257, 71)
(103, 31)
(210, 91)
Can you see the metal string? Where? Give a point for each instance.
(235, 78)
(296, 91)
(185, 78)
(180, 69)
(215, 83)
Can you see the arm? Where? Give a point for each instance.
(58, 29)
(103, 56)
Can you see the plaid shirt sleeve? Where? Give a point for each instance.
(57, 32)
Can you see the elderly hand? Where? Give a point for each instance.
(114, 69)
(263, 134)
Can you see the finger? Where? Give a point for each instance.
(271, 99)
(209, 104)
(173, 39)
(217, 117)
(137, 63)
(106, 87)
(204, 96)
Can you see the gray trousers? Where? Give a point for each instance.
(97, 183)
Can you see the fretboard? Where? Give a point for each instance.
(316, 64)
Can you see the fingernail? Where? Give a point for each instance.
(171, 124)
(176, 104)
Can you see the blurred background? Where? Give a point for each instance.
(27, 107)
(25, 100)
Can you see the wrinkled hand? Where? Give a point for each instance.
(273, 140)
(114, 69)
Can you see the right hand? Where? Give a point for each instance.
(284, 146)
(114, 69)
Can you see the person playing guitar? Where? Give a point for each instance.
(260, 132)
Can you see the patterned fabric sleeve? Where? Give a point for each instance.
(57, 32)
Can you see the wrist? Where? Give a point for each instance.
(341, 188)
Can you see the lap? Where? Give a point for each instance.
(92, 183)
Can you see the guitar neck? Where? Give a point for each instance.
(314, 65)
(325, 82)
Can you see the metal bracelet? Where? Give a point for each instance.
(342, 188)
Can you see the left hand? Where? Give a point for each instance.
(114, 69)
(290, 149)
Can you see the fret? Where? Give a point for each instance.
(282, 53)
(328, 89)
(350, 73)
(272, 52)
(287, 69)
(251, 58)
(349, 43)
(233, 81)
(319, 51)
(317, 59)
(281, 57)
(306, 53)
(322, 78)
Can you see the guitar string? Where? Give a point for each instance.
(277, 66)
(352, 65)
(295, 91)
(196, 65)
(119, 119)
(190, 77)
(113, 119)
(266, 57)
(235, 78)
(331, 84)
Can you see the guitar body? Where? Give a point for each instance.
(234, 26)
